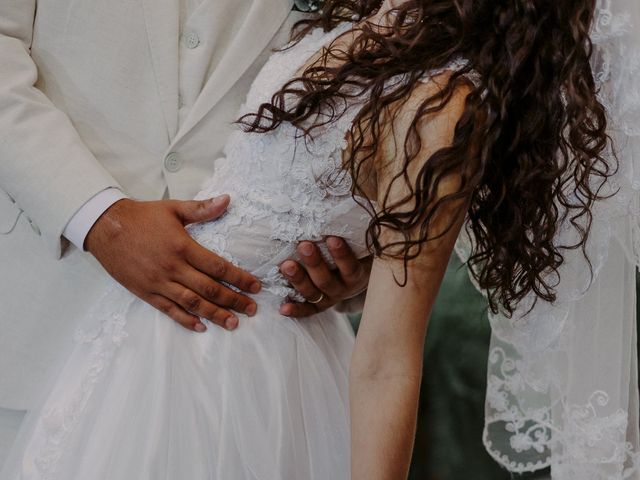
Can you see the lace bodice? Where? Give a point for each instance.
(283, 189)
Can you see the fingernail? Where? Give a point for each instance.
(285, 310)
(306, 248)
(251, 309)
(255, 287)
(334, 242)
(289, 269)
(219, 200)
(200, 328)
(231, 323)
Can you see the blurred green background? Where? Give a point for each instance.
(449, 437)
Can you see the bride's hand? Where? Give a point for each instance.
(145, 247)
(321, 286)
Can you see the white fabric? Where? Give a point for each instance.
(78, 227)
(10, 421)
(204, 26)
(123, 110)
(562, 379)
(141, 398)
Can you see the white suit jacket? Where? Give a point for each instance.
(89, 100)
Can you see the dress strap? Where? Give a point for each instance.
(454, 65)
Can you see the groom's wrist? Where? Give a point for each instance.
(83, 220)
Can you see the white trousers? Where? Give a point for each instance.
(10, 421)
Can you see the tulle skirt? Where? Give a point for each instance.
(141, 398)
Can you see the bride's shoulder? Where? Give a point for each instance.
(429, 112)
(415, 128)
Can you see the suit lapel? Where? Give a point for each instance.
(162, 23)
(260, 25)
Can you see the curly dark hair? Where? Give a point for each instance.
(530, 143)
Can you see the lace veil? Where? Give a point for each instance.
(562, 380)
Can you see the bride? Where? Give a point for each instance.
(390, 127)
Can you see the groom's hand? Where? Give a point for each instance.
(320, 285)
(145, 247)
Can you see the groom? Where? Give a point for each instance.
(110, 111)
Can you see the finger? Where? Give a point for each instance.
(319, 272)
(348, 265)
(218, 268)
(177, 313)
(196, 305)
(194, 211)
(298, 278)
(215, 292)
(298, 310)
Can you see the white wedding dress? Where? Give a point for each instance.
(142, 398)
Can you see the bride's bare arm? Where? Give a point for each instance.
(386, 367)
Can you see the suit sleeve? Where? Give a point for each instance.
(44, 165)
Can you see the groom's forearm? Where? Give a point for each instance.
(44, 165)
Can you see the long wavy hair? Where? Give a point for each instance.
(530, 143)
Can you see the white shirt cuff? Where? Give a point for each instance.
(78, 227)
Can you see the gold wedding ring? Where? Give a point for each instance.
(320, 298)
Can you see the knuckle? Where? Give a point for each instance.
(298, 276)
(190, 301)
(238, 302)
(165, 307)
(180, 248)
(211, 290)
(353, 277)
(312, 261)
(219, 269)
(324, 283)
(210, 312)
(153, 278)
(352, 269)
(169, 267)
(339, 252)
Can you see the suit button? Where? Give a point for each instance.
(34, 227)
(192, 40)
(172, 163)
